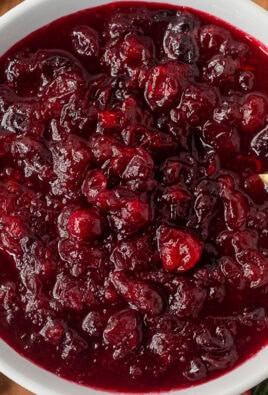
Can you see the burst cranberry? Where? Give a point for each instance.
(254, 112)
(224, 139)
(179, 40)
(85, 41)
(179, 250)
(221, 70)
(188, 300)
(93, 324)
(197, 103)
(235, 204)
(163, 87)
(123, 330)
(139, 293)
(131, 217)
(134, 254)
(214, 39)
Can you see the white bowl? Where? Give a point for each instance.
(24, 19)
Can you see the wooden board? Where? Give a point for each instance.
(6, 386)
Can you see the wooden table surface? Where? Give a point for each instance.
(7, 387)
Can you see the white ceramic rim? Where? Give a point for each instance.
(29, 16)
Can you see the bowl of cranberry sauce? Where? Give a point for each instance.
(133, 202)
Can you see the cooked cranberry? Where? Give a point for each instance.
(254, 266)
(188, 300)
(179, 40)
(93, 324)
(254, 112)
(52, 331)
(85, 41)
(214, 39)
(221, 70)
(228, 112)
(166, 346)
(80, 255)
(72, 346)
(235, 204)
(197, 103)
(85, 224)
(94, 183)
(131, 217)
(141, 294)
(123, 330)
(259, 146)
(179, 249)
(134, 254)
(224, 139)
(135, 49)
(162, 88)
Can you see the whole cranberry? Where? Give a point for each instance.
(179, 249)
(85, 224)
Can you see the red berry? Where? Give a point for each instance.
(179, 249)
(123, 330)
(85, 224)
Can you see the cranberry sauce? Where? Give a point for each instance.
(133, 222)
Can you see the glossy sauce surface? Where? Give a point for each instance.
(134, 227)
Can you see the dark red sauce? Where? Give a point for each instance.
(133, 222)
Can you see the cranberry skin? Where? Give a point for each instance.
(140, 294)
(71, 159)
(85, 41)
(123, 330)
(68, 293)
(229, 112)
(85, 224)
(7, 295)
(179, 250)
(188, 300)
(254, 112)
(216, 340)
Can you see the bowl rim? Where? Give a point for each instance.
(25, 372)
